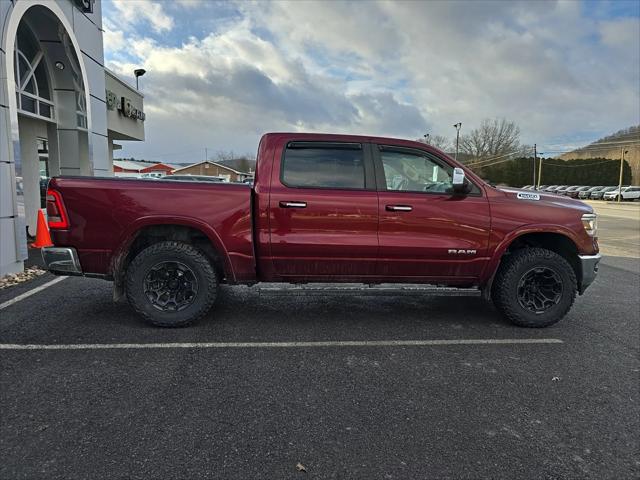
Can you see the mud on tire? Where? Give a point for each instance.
(171, 284)
(534, 287)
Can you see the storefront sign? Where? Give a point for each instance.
(128, 110)
(124, 106)
(85, 5)
(112, 100)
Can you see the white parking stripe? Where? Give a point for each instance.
(347, 343)
(27, 294)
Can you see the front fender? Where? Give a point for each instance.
(486, 278)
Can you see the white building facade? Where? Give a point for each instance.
(58, 116)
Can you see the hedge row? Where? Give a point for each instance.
(590, 171)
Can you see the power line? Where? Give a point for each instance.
(496, 163)
(547, 164)
(583, 150)
(489, 159)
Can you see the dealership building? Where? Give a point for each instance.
(61, 111)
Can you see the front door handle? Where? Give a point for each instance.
(399, 208)
(293, 204)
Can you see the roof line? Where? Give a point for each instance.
(212, 163)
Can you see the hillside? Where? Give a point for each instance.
(611, 146)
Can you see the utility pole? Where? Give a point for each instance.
(539, 171)
(206, 156)
(622, 152)
(457, 126)
(535, 156)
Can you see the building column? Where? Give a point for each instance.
(29, 130)
(54, 150)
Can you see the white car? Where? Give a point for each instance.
(628, 193)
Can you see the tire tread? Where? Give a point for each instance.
(194, 255)
(507, 274)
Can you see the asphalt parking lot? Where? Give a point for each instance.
(449, 390)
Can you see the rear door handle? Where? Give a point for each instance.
(293, 204)
(399, 208)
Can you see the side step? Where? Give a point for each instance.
(363, 290)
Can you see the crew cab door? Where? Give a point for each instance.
(426, 232)
(323, 211)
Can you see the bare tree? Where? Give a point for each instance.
(494, 137)
(438, 141)
(222, 155)
(243, 163)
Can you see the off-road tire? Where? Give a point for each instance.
(188, 255)
(514, 266)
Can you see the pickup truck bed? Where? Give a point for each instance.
(107, 213)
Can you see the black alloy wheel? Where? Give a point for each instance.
(539, 289)
(170, 286)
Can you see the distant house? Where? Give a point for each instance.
(129, 168)
(215, 170)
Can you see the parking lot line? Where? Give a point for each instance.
(347, 343)
(27, 294)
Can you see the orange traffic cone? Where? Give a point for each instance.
(43, 239)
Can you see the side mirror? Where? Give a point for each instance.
(460, 183)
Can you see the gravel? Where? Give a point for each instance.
(29, 274)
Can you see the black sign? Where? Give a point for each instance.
(85, 5)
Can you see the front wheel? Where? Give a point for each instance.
(171, 284)
(534, 287)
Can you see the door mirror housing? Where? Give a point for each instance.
(460, 183)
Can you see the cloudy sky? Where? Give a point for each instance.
(219, 74)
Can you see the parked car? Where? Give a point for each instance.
(550, 188)
(598, 194)
(561, 190)
(573, 192)
(319, 213)
(628, 193)
(584, 194)
(570, 190)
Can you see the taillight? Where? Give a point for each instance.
(56, 214)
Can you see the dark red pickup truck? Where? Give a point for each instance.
(325, 208)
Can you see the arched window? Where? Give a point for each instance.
(33, 89)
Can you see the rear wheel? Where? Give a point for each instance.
(171, 284)
(534, 287)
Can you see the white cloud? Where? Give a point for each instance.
(114, 40)
(132, 12)
(393, 68)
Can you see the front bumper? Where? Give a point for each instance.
(589, 267)
(62, 260)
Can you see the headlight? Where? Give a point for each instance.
(590, 223)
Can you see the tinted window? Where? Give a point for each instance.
(323, 167)
(415, 173)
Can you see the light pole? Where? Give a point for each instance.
(535, 157)
(426, 138)
(457, 126)
(138, 72)
(621, 168)
(539, 170)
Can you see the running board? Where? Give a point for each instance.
(362, 289)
